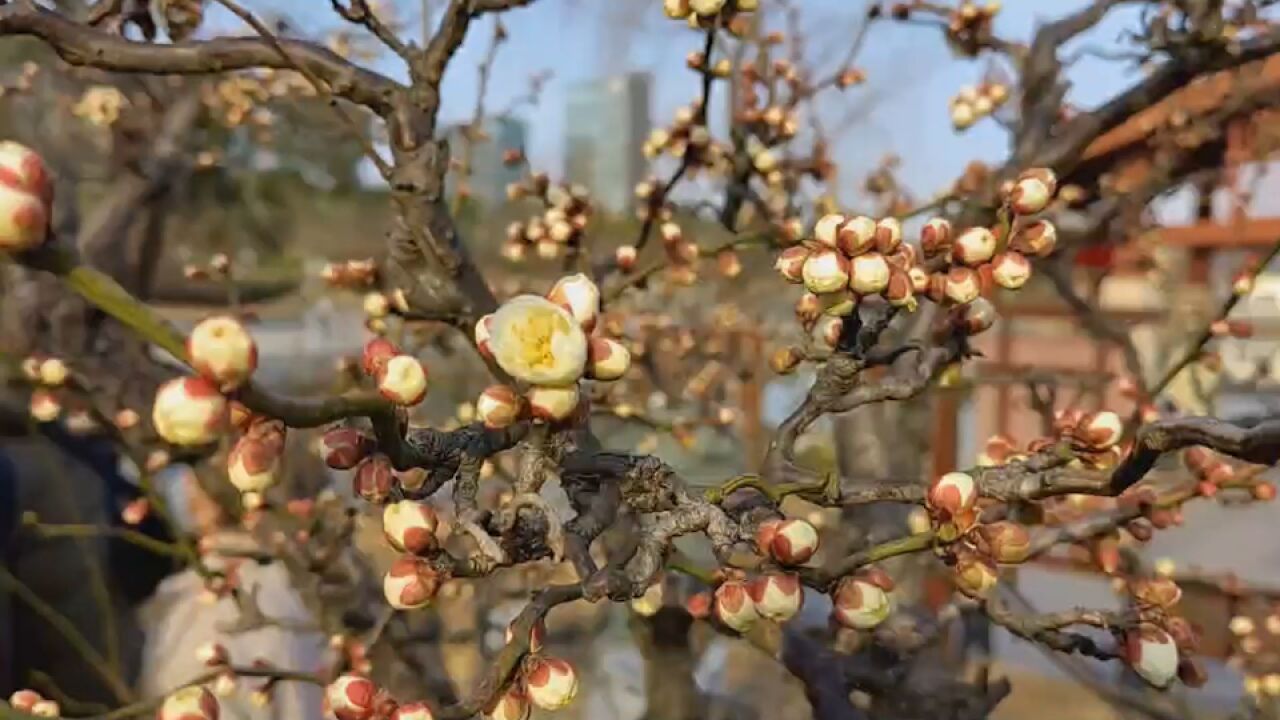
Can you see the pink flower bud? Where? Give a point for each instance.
(977, 317)
(869, 274)
(24, 219)
(1153, 654)
(976, 576)
(625, 257)
(777, 597)
(373, 479)
(482, 331)
(222, 350)
(1029, 196)
(670, 232)
(537, 636)
(551, 683)
(376, 305)
(838, 304)
(212, 654)
(1006, 542)
(1044, 175)
(827, 331)
(403, 380)
(413, 711)
(1036, 240)
(607, 359)
(342, 448)
(22, 168)
(53, 372)
(794, 542)
(189, 703)
(511, 705)
(857, 235)
(729, 264)
(377, 352)
(935, 237)
(808, 308)
(900, 292)
(790, 263)
(952, 494)
(24, 700)
(827, 229)
(960, 285)
(351, 697)
(499, 406)
(1011, 270)
(44, 406)
(411, 583)
(859, 604)
(189, 411)
(963, 115)
(825, 271)
(888, 235)
(1243, 283)
(580, 296)
(765, 532)
(1100, 430)
(734, 607)
(253, 465)
(410, 526)
(46, 709)
(552, 403)
(974, 247)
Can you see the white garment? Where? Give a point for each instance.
(177, 621)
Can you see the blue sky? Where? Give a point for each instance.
(902, 109)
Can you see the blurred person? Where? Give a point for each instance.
(183, 615)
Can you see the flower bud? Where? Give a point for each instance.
(1100, 430)
(24, 219)
(221, 350)
(403, 380)
(825, 271)
(794, 542)
(1158, 592)
(607, 359)
(1006, 542)
(952, 494)
(960, 285)
(551, 683)
(888, 235)
(512, 704)
(189, 411)
(376, 305)
(580, 296)
(963, 115)
(919, 280)
(859, 604)
(900, 292)
(935, 237)
(625, 257)
(351, 697)
(734, 607)
(482, 336)
(552, 403)
(24, 700)
(648, 604)
(974, 247)
(253, 465)
(377, 352)
(976, 576)
(1030, 195)
(857, 235)
(808, 309)
(410, 526)
(212, 654)
(785, 359)
(1243, 283)
(776, 596)
(827, 331)
(790, 263)
(827, 229)
(53, 372)
(1037, 239)
(413, 711)
(1011, 270)
(373, 479)
(411, 583)
(190, 703)
(869, 274)
(22, 168)
(343, 447)
(729, 264)
(499, 406)
(1152, 653)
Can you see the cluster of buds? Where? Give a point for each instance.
(350, 274)
(567, 210)
(972, 103)
(546, 344)
(194, 702)
(356, 697)
(218, 266)
(790, 541)
(33, 703)
(707, 13)
(970, 24)
(412, 527)
(739, 603)
(193, 410)
(400, 378)
(26, 198)
(687, 138)
(1161, 646)
(1213, 473)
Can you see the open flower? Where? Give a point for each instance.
(538, 341)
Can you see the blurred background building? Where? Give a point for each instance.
(607, 121)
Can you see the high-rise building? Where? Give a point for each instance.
(489, 175)
(607, 123)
